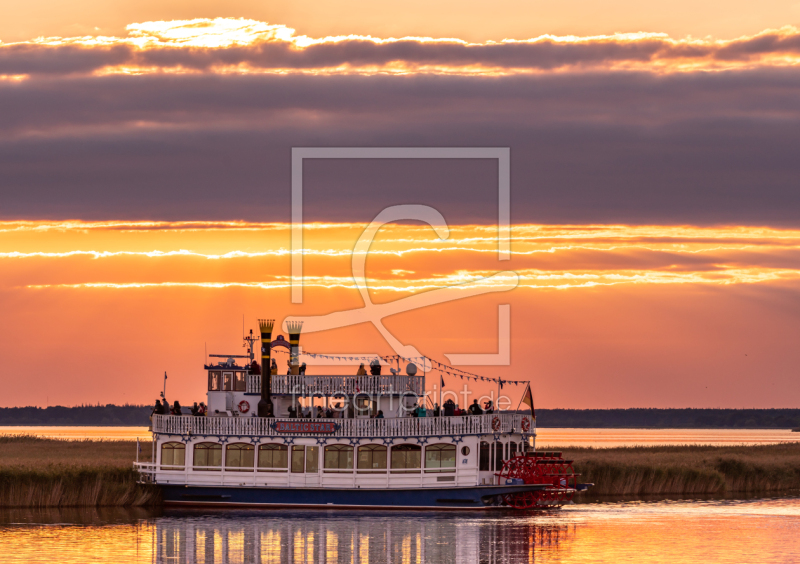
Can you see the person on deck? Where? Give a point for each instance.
(158, 409)
(375, 367)
(201, 410)
(449, 408)
(422, 411)
(436, 411)
(194, 409)
(274, 367)
(176, 408)
(320, 413)
(475, 409)
(488, 407)
(165, 406)
(328, 413)
(361, 370)
(292, 412)
(380, 414)
(303, 368)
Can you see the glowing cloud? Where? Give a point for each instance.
(228, 45)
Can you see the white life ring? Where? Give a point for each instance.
(244, 407)
(495, 424)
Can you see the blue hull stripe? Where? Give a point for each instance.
(435, 498)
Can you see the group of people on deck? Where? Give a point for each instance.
(162, 407)
(451, 409)
(307, 412)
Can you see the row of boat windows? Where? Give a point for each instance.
(226, 381)
(276, 457)
(502, 451)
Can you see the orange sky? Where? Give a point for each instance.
(604, 316)
(467, 19)
(145, 174)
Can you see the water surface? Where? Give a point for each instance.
(547, 437)
(752, 531)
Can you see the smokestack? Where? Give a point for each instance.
(265, 403)
(294, 328)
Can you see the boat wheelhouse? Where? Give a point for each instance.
(255, 447)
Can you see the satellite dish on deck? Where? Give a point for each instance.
(411, 369)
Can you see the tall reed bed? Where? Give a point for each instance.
(689, 470)
(37, 472)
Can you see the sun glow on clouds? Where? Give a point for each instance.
(117, 255)
(243, 46)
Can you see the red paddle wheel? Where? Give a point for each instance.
(547, 468)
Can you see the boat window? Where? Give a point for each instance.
(338, 457)
(440, 458)
(406, 457)
(498, 455)
(485, 457)
(214, 380)
(298, 458)
(239, 383)
(465, 450)
(227, 380)
(273, 457)
(312, 459)
(239, 456)
(207, 454)
(173, 454)
(372, 457)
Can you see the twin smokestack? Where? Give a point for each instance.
(265, 407)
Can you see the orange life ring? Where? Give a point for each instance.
(495, 424)
(244, 407)
(525, 424)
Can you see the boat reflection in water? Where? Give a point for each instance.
(402, 537)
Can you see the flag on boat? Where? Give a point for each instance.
(527, 399)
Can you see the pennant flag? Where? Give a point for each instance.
(527, 399)
(441, 378)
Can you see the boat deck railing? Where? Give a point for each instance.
(305, 385)
(497, 423)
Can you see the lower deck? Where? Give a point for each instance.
(303, 462)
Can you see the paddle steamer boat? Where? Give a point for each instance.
(248, 451)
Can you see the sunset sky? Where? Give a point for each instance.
(145, 190)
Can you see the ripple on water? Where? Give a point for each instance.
(752, 531)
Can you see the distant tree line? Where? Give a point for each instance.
(670, 418)
(138, 415)
(110, 415)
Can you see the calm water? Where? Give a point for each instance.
(547, 437)
(752, 531)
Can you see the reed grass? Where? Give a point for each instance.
(38, 472)
(688, 470)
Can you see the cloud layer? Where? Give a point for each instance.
(182, 121)
(238, 45)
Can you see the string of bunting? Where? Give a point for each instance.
(440, 366)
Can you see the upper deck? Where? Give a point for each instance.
(346, 428)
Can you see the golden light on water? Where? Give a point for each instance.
(674, 532)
